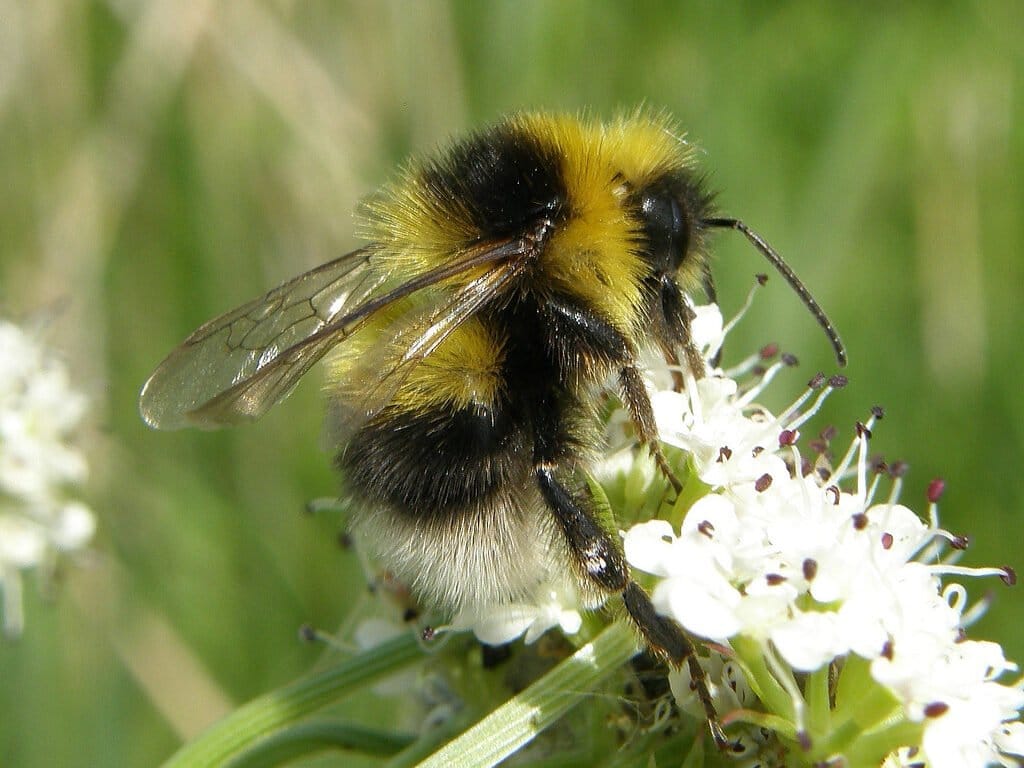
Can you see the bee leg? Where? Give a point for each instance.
(602, 561)
(694, 359)
(678, 316)
(638, 405)
(667, 639)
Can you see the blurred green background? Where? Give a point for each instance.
(164, 161)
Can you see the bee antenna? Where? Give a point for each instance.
(784, 269)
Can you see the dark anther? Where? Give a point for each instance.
(788, 437)
(887, 540)
(428, 634)
(834, 490)
(838, 381)
(862, 430)
(828, 434)
(898, 468)
(887, 651)
(768, 351)
(936, 709)
(774, 579)
(860, 521)
(724, 453)
(1009, 576)
(810, 568)
(877, 411)
(935, 490)
(817, 381)
(763, 483)
(960, 542)
(762, 278)
(307, 634)
(706, 527)
(790, 360)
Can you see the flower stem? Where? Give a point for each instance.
(816, 693)
(874, 707)
(750, 654)
(859, 699)
(517, 721)
(272, 711)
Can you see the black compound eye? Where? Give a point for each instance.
(665, 228)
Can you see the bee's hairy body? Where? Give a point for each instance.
(455, 480)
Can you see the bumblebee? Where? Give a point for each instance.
(505, 283)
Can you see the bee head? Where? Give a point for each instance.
(671, 211)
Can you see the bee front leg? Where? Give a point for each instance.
(676, 330)
(638, 405)
(601, 560)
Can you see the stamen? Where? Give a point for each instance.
(744, 367)
(869, 497)
(761, 384)
(970, 616)
(1005, 574)
(743, 310)
(810, 412)
(956, 596)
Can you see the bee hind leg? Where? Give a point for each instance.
(668, 640)
(602, 561)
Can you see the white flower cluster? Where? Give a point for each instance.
(780, 554)
(795, 570)
(39, 413)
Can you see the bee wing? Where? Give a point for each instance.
(422, 337)
(239, 365)
(236, 346)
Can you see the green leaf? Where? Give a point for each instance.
(309, 738)
(278, 709)
(519, 720)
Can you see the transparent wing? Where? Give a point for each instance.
(239, 365)
(421, 337)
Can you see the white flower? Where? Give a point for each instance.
(39, 414)
(800, 560)
(552, 606)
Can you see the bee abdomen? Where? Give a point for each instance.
(436, 463)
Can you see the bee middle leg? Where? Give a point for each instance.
(601, 559)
